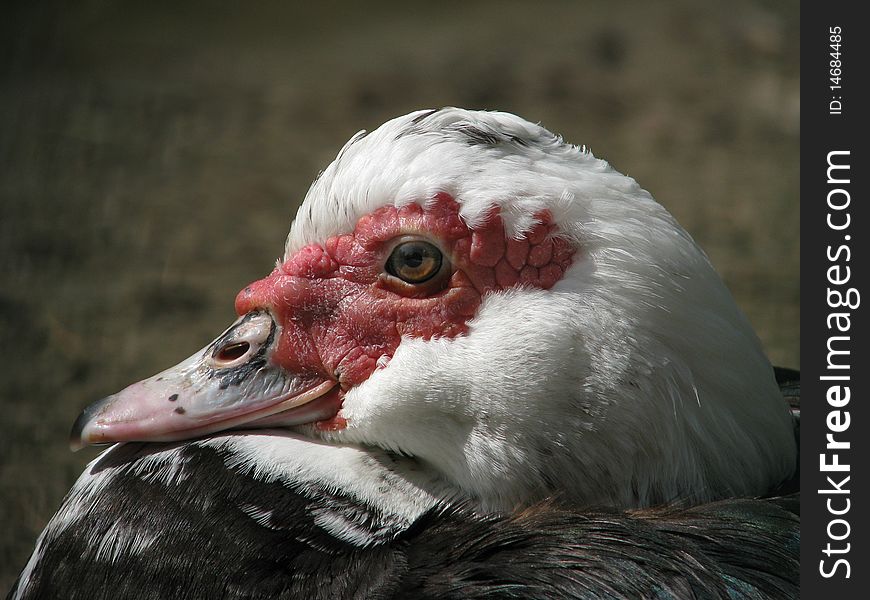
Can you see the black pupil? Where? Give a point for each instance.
(414, 262)
(413, 257)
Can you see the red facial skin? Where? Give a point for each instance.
(339, 310)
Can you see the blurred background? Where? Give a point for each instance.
(152, 155)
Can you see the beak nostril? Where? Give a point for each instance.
(232, 352)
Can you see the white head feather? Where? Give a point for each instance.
(635, 380)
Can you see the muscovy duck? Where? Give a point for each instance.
(488, 365)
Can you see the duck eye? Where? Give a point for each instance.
(414, 261)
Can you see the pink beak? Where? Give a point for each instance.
(229, 384)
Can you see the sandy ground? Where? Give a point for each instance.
(151, 159)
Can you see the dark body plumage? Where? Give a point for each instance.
(195, 527)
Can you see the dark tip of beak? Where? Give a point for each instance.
(87, 415)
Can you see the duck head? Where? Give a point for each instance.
(467, 289)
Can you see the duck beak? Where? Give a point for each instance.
(231, 383)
